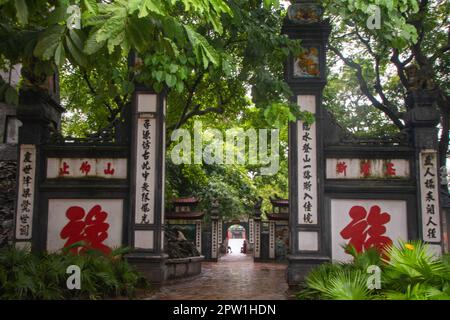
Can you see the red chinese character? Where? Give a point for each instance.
(390, 170)
(109, 170)
(85, 168)
(341, 167)
(367, 230)
(366, 169)
(64, 170)
(92, 229)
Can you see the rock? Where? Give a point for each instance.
(8, 170)
(177, 248)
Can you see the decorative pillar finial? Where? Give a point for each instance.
(305, 12)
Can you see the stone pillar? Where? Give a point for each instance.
(257, 230)
(198, 235)
(220, 231)
(40, 116)
(422, 119)
(257, 242)
(146, 232)
(306, 75)
(214, 238)
(272, 239)
(251, 234)
(215, 230)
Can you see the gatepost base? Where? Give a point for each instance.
(153, 267)
(300, 266)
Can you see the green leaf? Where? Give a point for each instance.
(91, 5)
(77, 38)
(159, 75)
(22, 11)
(180, 86)
(151, 6)
(77, 55)
(60, 55)
(91, 45)
(204, 52)
(58, 15)
(171, 80)
(48, 42)
(138, 33)
(173, 68)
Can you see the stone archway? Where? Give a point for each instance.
(226, 236)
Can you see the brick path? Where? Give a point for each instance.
(234, 277)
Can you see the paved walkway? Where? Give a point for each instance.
(234, 277)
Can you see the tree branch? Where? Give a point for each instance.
(198, 112)
(188, 103)
(395, 59)
(93, 91)
(120, 102)
(392, 114)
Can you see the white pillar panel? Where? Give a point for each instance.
(307, 164)
(145, 171)
(198, 236)
(251, 233)
(144, 239)
(219, 231)
(146, 102)
(26, 192)
(257, 249)
(429, 196)
(214, 242)
(435, 250)
(23, 245)
(308, 241)
(272, 240)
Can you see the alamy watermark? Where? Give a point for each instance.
(74, 19)
(374, 280)
(74, 280)
(374, 21)
(211, 146)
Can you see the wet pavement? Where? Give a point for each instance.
(234, 277)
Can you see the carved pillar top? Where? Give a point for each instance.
(305, 12)
(257, 208)
(40, 115)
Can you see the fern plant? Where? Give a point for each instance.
(24, 275)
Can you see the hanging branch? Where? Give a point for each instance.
(392, 114)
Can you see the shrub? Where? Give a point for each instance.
(409, 272)
(25, 275)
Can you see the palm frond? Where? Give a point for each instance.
(348, 285)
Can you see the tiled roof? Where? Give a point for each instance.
(185, 215)
(280, 202)
(278, 216)
(190, 200)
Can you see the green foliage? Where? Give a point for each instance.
(395, 29)
(43, 276)
(347, 285)
(235, 186)
(172, 29)
(408, 272)
(407, 269)
(367, 86)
